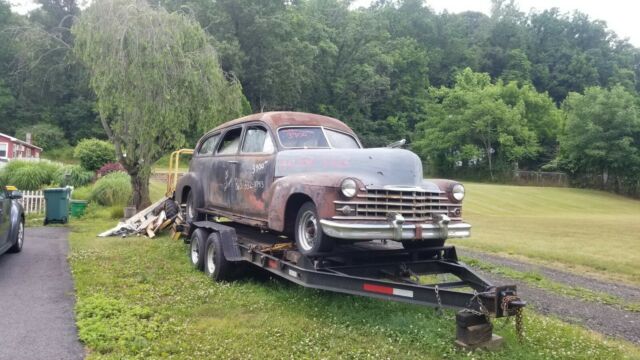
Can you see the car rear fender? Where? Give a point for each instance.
(189, 181)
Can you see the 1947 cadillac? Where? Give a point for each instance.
(307, 176)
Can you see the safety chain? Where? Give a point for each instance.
(483, 310)
(519, 316)
(439, 309)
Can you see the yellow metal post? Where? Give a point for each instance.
(174, 169)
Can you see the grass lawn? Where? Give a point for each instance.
(139, 298)
(590, 231)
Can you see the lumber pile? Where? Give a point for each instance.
(160, 216)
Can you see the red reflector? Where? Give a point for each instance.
(378, 289)
(273, 264)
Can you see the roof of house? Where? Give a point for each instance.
(22, 142)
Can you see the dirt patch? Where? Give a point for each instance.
(606, 319)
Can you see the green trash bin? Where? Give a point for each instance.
(78, 207)
(57, 205)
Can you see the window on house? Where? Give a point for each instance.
(4, 149)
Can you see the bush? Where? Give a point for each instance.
(112, 189)
(73, 175)
(82, 193)
(109, 168)
(29, 175)
(94, 153)
(44, 135)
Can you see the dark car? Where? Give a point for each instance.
(11, 220)
(308, 176)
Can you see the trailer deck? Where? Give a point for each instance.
(379, 269)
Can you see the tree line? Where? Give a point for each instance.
(476, 95)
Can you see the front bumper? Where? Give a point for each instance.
(395, 229)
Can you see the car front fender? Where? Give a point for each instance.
(191, 181)
(321, 188)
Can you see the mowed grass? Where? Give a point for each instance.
(139, 298)
(587, 230)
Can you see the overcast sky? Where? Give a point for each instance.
(621, 15)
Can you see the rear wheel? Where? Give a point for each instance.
(197, 248)
(17, 245)
(216, 266)
(310, 238)
(191, 212)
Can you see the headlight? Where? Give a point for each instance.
(458, 192)
(348, 188)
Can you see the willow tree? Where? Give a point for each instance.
(156, 78)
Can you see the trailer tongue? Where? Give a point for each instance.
(375, 269)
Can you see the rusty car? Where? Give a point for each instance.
(308, 177)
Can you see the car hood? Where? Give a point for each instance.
(378, 167)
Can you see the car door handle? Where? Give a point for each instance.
(232, 161)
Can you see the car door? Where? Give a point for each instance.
(225, 170)
(5, 223)
(203, 165)
(255, 170)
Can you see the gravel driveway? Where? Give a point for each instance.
(37, 299)
(606, 319)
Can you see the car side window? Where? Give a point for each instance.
(230, 142)
(209, 145)
(257, 140)
(3, 195)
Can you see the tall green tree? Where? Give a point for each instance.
(155, 76)
(477, 126)
(602, 136)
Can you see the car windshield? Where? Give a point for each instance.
(314, 138)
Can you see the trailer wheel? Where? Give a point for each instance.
(216, 266)
(310, 239)
(197, 248)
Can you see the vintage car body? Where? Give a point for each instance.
(11, 220)
(262, 169)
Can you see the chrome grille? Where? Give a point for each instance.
(413, 204)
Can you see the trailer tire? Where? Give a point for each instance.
(310, 239)
(216, 266)
(197, 248)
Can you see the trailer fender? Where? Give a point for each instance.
(228, 239)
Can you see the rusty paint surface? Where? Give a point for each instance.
(255, 188)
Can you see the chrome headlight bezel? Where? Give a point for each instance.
(457, 192)
(349, 188)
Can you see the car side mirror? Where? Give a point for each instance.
(15, 195)
(397, 144)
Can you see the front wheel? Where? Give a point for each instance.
(17, 245)
(191, 211)
(310, 238)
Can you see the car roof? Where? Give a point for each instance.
(277, 119)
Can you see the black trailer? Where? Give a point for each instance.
(378, 269)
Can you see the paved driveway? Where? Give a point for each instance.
(36, 299)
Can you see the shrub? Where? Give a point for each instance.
(73, 175)
(109, 168)
(29, 175)
(112, 189)
(82, 193)
(44, 135)
(94, 153)
(116, 212)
